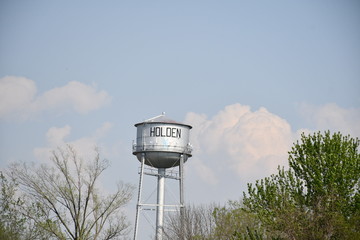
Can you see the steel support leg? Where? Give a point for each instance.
(160, 204)
(181, 188)
(138, 206)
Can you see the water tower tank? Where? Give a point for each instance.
(162, 141)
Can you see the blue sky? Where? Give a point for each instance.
(249, 76)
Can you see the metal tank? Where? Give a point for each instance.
(163, 141)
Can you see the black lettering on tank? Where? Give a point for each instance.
(152, 132)
(157, 131)
(165, 132)
(168, 132)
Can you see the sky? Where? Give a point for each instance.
(249, 76)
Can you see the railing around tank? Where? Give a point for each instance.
(162, 148)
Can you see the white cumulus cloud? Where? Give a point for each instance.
(238, 145)
(19, 99)
(333, 117)
(250, 143)
(57, 137)
(16, 94)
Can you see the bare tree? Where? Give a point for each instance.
(63, 198)
(205, 222)
(198, 222)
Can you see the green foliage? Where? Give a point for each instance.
(328, 167)
(317, 197)
(11, 223)
(233, 222)
(249, 235)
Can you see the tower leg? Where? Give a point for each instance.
(138, 206)
(181, 187)
(160, 204)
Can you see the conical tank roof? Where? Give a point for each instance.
(162, 119)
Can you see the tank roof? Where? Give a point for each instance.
(162, 119)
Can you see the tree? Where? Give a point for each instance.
(64, 200)
(232, 222)
(317, 197)
(11, 224)
(14, 225)
(209, 222)
(198, 223)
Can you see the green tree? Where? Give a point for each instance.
(11, 224)
(317, 197)
(64, 200)
(232, 222)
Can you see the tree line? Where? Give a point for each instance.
(315, 197)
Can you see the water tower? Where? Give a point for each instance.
(161, 144)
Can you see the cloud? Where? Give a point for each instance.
(204, 171)
(333, 117)
(56, 137)
(238, 145)
(18, 98)
(16, 94)
(250, 144)
(82, 98)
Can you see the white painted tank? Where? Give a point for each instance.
(163, 141)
